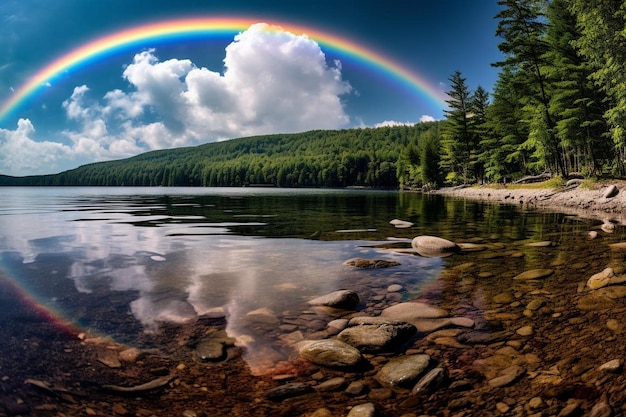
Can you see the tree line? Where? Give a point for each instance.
(559, 103)
(323, 158)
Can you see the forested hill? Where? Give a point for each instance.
(354, 157)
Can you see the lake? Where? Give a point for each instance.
(127, 263)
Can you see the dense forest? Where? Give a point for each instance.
(558, 106)
(353, 157)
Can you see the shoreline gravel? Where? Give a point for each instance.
(588, 202)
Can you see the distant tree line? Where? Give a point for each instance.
(342, 158)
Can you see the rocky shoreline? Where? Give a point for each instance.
(601, 200)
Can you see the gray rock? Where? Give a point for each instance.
(401, 224)
(611, 191)
(433, 246)
(290, 390)
(342, 299)
(403, 370)
(509, 375)
(430, 382)
(376, 334)
(363, 410)
(330, 353)
(333, 384)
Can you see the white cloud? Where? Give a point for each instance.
(392, 123)
(273, 81)
(21, 155)
(427, 118)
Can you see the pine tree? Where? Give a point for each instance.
(603, 44)
(457, 142)
(522, 27)
(580, 127)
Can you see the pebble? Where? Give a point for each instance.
(363, 410)
(533, 274)
(130, 355)
(613, 325)
(509, 375)
(333, 384)
(395, 288)
(289, 390)
(612, 366)
(525, 331)
(355, 388)
(504, 298)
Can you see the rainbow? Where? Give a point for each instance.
(215, 26)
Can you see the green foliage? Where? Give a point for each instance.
(355, 157)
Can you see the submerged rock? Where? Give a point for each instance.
(410, 312)
(433, 246)
(534, 274)
(342, 299)
(330, 353)
(363, 410)
(290, 390)
(376, 334)
(370, 263)
(509, 375)
(601, 279)
(403, 371)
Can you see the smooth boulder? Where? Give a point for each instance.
(410, 312)
(342, 299)
(330, 353)
(403, 371)
(376, 334)
(433, 246)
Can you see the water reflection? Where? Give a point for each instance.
(123, 261)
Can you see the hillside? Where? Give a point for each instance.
(338, 158)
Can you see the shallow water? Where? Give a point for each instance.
(122, 261)
(172, 254)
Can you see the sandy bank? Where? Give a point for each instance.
(584, 202)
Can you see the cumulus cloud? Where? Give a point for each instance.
(273, 81)
(21, 155)
(427, 118)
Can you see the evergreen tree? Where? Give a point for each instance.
(578, 106)
(457, 142)
(479, 103)
(522, 27)
(502, 155)
(603, 43)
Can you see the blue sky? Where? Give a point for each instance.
(161, 95)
